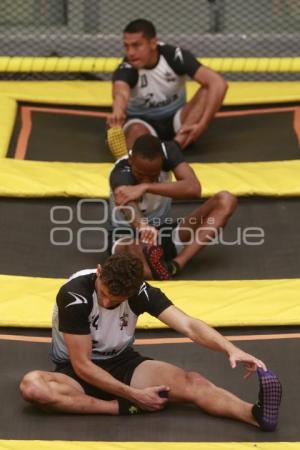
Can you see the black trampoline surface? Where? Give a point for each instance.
(59, 133)
(26, 248)
(180, 423)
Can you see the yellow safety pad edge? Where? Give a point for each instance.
(109, 64)
(82, 445)
(8, 111)
(28, 301)
(99, 93)
(89, 180)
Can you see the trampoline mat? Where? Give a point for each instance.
(78, 134)
(35, 243)
(177, 423)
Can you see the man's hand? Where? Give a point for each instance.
(116, 119)
(149, 399)
(148, 234)
(126, 194)
(250, 362)
(189, 134)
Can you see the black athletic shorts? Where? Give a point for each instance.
(120, 367)
(163, 127)
(165, 235)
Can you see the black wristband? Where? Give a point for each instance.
(126, 408)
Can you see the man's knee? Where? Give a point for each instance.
(136, 129)
(196, 379)
(31, 388)
(195, 383)
(226, 201)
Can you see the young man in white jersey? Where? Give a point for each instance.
(98, 372)
(141, 196)
(149, 89)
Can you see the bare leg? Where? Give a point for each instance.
(133, 132)
(192, 112)
(54, 392)
(194, 388)
(203, 224)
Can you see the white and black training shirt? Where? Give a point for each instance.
(112, 330)
(152, 206)
(158, 92)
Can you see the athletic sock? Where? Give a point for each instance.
(127, 408)
(173, 268)
(116, 142)
(266, 410)
(154, 255)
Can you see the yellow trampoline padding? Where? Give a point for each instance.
(82, 445)
(28, 301)
(100, 94)
(90, 180)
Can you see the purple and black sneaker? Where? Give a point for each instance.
(266, 410)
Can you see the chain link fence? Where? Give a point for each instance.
(209, 28)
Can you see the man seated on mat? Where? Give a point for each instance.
(140, 204)
(149, 89)
(98, 372)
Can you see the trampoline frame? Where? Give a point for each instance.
(242, 179)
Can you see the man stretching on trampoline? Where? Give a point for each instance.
(98, 372)
(140, 204)
(149, 89)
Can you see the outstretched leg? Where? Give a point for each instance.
(54, 392)
(194, 388)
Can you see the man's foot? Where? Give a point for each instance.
(154, 255)
(266, 410)
(173, 268)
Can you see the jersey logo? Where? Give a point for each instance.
(79, 299)
(169, 77)
(123, 321)
(143, 288)
(178, 54)
(144, 81)
(125, 65)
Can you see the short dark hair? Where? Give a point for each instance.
(148, 146)
(122, 274)
(141, 26)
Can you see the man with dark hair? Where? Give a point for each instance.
(140, 202)
(98, 371)
(149, 89)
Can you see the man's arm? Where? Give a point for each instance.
(215, 88)
(186, 186)
(121, 94)
(80, 351)
(201, 333)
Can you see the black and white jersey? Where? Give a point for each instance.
(158, 92)
(152, 206)
(77, 311)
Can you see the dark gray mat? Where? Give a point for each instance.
(177, 423)
(26, 248)
(254, 137)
